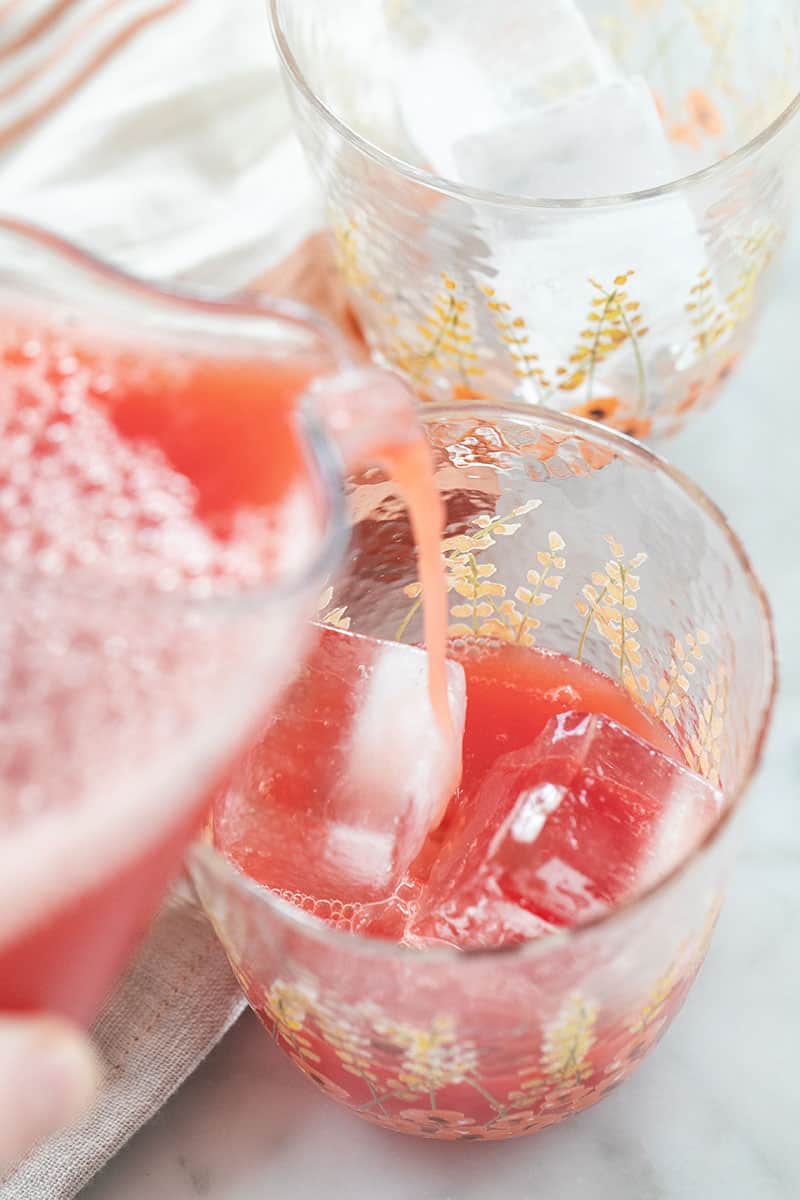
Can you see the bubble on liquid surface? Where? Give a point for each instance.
(337, 913)
(101, 674)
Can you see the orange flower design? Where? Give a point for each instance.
(462, 392)
(684, 131)
(635, 427)
(327, 1085)
(704, 113)
(567, 1101)
(595, 457)
(544, 448)
(601, 410)
(726, 370)
(703, 389)
(695, 393)
(511, 1126)
(704, 120)
(444, 1124)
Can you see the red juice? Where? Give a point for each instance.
(384, 1035)
(137, 484)
(513, 691)
(512, 694)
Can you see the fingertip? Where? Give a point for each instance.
(49, 1076)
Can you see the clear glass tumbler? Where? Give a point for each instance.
(464, 148)
(144, 631)
(566, 536)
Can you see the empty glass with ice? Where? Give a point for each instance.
(577, 201)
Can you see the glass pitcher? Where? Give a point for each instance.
(170, 511)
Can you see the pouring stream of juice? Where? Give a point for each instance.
(372, 416)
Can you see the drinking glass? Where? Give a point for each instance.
(125, 692)
(628, 308)
(636, 573)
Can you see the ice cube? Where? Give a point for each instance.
(477, 71)
(605, 140)
(465, 103)
(561, 270)
(339, 794)
(583, 820)
(351, 67)
(495, 104)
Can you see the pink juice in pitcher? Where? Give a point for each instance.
(153, 504)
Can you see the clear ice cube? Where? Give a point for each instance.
(605, 140)
(582, 821)
(528, 102)
(341, 791)
(470, 72)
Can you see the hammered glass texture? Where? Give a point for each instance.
(494, 1044)
(632, 311)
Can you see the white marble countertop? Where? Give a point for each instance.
(713, 1112)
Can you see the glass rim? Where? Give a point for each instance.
(335, 535)
(462, 191)
(346, 940)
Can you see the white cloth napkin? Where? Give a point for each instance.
(175, 159)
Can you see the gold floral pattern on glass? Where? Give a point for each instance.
(432, 1081)
(447, 350)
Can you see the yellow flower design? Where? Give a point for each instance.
(347, 256)
(703, 938)
(446, 339)
(515, 336)
(711, 323)
(704, 751)
(682, 969)
(463, 574)
(564, 1061)
(443, 1124)
(286, 1006)
(349, 1040)
(609, 602)
(675, 684)
(657, 998)
(568, 1041)
(349, 260)
(716, 22)
(336, 618)
(758, 250)
(542, 584)
(432, 1057)
(487, 609)
(615, 319)
(714, 321)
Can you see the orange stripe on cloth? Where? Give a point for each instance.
(28, 120)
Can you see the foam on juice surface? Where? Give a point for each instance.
(97, 531)
(131, 528)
